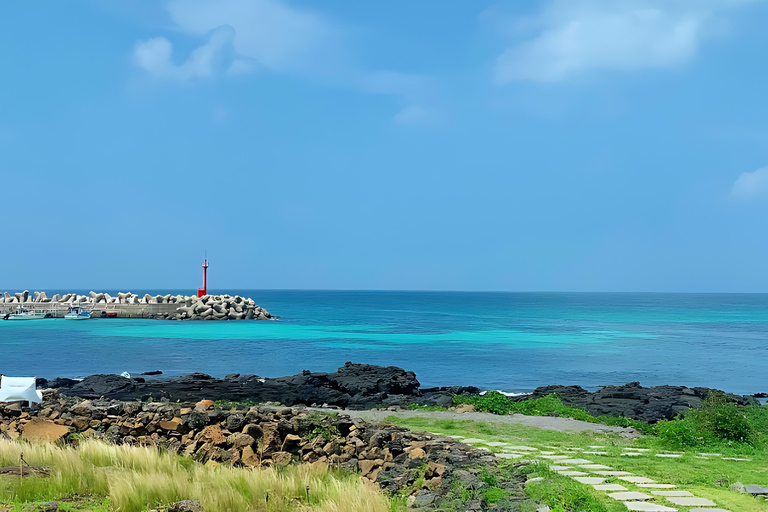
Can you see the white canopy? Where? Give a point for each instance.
(19, 388)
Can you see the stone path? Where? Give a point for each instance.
(642, 493)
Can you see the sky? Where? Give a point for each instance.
(548, 145)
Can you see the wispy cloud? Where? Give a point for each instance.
(240, 37)
(575, 36)
(155, 56)
(751, 186)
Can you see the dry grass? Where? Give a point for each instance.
(137, 479)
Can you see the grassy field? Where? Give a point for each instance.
(708, 478)
(102, 477)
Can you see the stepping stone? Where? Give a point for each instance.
(560, 468)
(573, 473)
(473, 440)
(671, 493)
(596, 446)
(711, 454)
(609, 487)
(637, 479)
(547, 453)
(554, 457)
(496, 443)
(648, 507)
(756, 490)
(595, 453)
(574, 461)
(637, 449)
(594, 466)
(533, 480)
(509, 455)
(630, 496)
(735, 458)
(691, 502)
(589, 480)
(612, 473)
(657, 486)
(456, 437)
(669, 455)
(632, 454)
(709, 510)
(521, 448)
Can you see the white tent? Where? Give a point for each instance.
(19, 388)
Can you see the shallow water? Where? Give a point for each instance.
(508, 341)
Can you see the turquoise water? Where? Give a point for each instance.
(508, 341)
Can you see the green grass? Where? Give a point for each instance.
(690, 473)
(135, 479)
(231, 404)
(717, 422)
(563, 494)
(417, 407)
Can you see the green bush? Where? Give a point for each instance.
(717, 422)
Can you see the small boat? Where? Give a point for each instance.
(23, 313)
(77, 313)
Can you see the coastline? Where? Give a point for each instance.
(357, 386)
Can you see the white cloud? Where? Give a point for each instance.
(155, 56)
(575, 36)
(271, 33)
(751, 185)
(244, 36)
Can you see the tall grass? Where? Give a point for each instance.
(139, 478)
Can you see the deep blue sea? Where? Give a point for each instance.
(505, 341)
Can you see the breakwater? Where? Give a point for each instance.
(131, 305)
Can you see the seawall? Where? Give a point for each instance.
(130, 305)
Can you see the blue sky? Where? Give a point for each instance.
(575, 145)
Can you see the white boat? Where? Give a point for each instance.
(77, 313)
(24, 314)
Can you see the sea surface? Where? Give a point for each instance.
(508, 341)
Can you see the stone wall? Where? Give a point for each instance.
(426, 468)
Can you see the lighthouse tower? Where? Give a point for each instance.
(204, 290)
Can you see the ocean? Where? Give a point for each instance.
(507, 341)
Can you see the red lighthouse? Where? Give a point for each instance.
(204, 290)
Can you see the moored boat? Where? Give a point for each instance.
(77, 313)
(23, 313)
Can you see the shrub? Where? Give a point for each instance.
(718, 421)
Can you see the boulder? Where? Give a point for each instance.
(633, 400)
(43, 430)
(358, 386)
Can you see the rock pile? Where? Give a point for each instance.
(428, 468)
(635, 401)
(353, 386)
(220, 307)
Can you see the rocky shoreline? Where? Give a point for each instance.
(363, 386)
(425, 468)
(259, 422)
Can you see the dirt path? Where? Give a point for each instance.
(542, 422)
